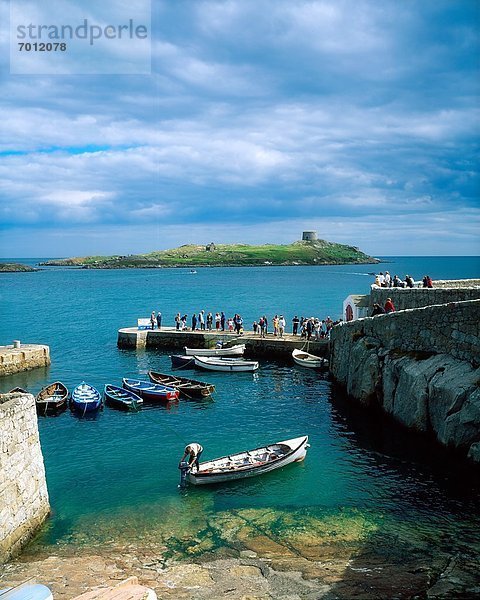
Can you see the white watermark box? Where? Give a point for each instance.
(82, 37)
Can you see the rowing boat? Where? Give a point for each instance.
(86, 398)
(52, 397)
(249, 463)
(304, 359)
(229, 365)
(187, 387)
(121, 398)
(179, 361)
(151, 391)
(237, 350)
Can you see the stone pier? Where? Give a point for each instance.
(169, 338)
(23, 357)
(24, 501)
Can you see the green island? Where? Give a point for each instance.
(15, 268)
(318, 252)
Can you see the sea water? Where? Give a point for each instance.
(113, 478)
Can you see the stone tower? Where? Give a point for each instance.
(309, 236)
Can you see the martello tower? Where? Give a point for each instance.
(309, 236)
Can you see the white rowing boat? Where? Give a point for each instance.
(237, 350)
(249, 463)
(304, 359)
(230, 365)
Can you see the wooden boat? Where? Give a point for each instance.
(237, 350)
(179, 361)
(304, 359)
(247, 464)
(188, 387)
(230, 365)
(52, 397)
(151, 391)
(26, 591)
(86, 398)
(121, 398)
(17, 390)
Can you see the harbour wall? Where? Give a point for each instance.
(24, 503)
(23, 358)
(404, 298)
(255, 346)
(422, 366)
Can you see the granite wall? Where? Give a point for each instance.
(422, 366)
(404, 298)
(24, 501)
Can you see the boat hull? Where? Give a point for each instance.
(179, 361)
(304, 359)
(121, 398)
(51, 398)
(298, 452)
(151, 391)
(233, 366)
(86, 399)
(233, 351)
(187, 387)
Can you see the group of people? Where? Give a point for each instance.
(385, 280)
(306, 327)
(388, 307)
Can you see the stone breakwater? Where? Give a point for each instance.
(24, 501)
(444, 292)
(420, 365)
(25, 357)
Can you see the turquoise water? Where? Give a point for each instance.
(113, 478)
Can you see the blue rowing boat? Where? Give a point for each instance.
(121, 398)
(86, 398)
(151, 391)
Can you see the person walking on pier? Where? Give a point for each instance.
(159, 320)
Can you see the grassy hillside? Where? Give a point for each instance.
(298, 253)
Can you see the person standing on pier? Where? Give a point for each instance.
(194, 322)
(209, 321)
(295, 322)
(281, 326)
(222, 321)
(201, 320)
(152, 320)
(177, 321)
(217, 321)
(159, 320)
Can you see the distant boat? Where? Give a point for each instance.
(180, 361)
(151, 391)
(188, 387)
(237, 350)
(17, 390)
(304, 359)
(249, 463)
(192, 272)
(229, 365)
(52, 397)
(86, 398)
(121, 398)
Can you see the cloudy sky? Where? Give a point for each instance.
(260, 118)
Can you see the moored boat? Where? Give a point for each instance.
(17, 390)
(52, 397)
(304, 359)
(229, 365)
(188, 387)
(237, 350)
(119, 397)
(249, 463)
(151, 391)
(85, 398)
(180, 361)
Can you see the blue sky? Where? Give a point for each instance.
(261, 118)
